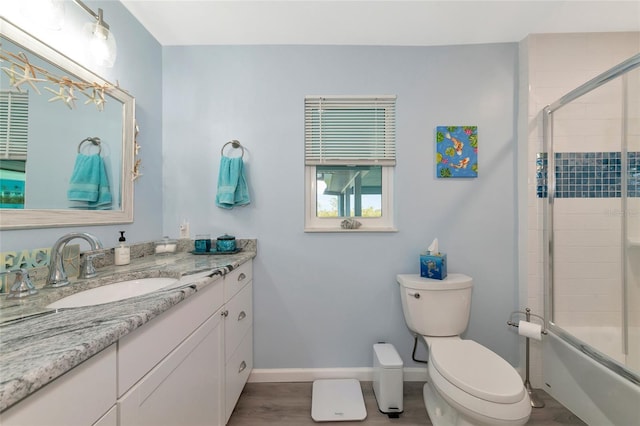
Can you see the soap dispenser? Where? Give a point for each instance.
(122, 253)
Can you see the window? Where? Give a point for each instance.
(349, 161)
(14, 123)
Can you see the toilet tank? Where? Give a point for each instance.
(436, 307)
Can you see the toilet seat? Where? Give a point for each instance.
(476, 370)
(479, 410)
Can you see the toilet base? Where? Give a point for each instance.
(439, 411)
(442, 413)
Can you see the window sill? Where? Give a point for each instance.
(315, 230)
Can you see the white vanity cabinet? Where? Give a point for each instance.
(185, 388)
(109, 419)
(238, 332)
(170, 370)
(186, 367)
(82, 396)
(142, 349)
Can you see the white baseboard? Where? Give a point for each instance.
(365, 374)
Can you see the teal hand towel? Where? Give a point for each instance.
(89, 184)
(232, 183)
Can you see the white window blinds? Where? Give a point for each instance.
(14, 124)
(358, 130)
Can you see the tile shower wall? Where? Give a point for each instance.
(589, 174)
(551, 66)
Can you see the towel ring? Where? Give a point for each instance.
(234, 144)
(95, 140)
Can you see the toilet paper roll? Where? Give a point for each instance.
(530, 330)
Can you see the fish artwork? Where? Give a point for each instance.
(457, 145)
(456, 152)
(462, 164)
(431, 268)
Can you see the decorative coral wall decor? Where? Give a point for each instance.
(456, 152)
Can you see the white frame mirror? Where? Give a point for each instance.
(44, 218)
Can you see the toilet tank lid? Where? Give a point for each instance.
(451, 282)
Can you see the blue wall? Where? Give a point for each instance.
(137, 70)
(322, 300)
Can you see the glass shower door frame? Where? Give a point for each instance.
(547, 117)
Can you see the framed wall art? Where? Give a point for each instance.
(456, 152)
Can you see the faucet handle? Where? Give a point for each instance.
(87, 270)
(22, 286)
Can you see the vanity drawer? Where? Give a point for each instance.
(239, 319)
(140, 350)
(236, 279)
(237, 372)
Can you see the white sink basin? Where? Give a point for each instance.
(112, 292)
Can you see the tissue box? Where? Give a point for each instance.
(433, 265)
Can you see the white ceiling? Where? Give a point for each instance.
(365, 22)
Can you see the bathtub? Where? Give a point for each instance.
(608, 340)
(591, 390)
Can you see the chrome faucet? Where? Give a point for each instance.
(22, 286)
(57, 275)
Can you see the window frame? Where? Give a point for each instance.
(384, 223)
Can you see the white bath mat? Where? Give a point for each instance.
(335, 400)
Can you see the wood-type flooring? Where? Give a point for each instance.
(289, 404)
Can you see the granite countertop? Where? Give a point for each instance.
(38, 344)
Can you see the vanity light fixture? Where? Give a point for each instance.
(101, 42)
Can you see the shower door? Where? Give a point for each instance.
(592, 165)
(632, 221)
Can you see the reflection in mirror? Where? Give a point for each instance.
(66, 139)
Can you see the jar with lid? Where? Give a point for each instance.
(166, 246)
(226, 243)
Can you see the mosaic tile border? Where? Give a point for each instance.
(589, 174)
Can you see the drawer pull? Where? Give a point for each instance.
(242, 316)
(243, 365)
(242, 276)
(225, 313)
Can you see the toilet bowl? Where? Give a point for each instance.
(473, 386)
(468, 384)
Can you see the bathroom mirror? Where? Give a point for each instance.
(95, 118)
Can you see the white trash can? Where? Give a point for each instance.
(388, 379)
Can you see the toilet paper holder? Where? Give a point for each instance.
(527, 313)
(536, 402)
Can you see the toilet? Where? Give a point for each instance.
(467, 384)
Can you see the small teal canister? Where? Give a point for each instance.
(226, 243)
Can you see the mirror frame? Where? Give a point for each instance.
(45, 218)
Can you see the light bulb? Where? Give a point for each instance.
(101, 45)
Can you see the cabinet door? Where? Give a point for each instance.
(79, 397)
(145, 347)
(185, 388)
